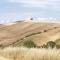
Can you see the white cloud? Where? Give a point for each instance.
(8, 17)
(37, 3)
(32, 3)
(27, 1)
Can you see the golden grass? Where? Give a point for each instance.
(16, 53)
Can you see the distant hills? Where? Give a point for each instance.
(14, 34)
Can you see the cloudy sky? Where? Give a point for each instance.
(11, 10)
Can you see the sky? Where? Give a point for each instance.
(12, 10)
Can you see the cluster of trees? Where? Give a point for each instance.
(49, 44)
(29, 44)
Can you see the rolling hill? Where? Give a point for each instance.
(39, 32)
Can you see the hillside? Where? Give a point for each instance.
(38, 32)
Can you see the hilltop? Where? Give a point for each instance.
(39, 32)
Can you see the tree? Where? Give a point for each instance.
(29, 44)
(31, 18)
(51, 44)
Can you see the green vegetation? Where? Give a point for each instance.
(57, 43)
(2, 46)
(58, 46)
(29, 44)
(45, 30)
(44, 46)
(51, 44)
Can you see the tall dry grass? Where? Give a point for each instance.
(22, 53)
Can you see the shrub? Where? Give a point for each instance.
(58, 46)
(44, 46)
(45, 30)
(51, 44)
(57, 43)
(29, 44)
(2, 46)
(31, 18)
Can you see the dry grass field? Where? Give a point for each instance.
(38, 32)
(16, 53)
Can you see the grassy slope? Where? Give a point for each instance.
(21, 31)
(29, 54)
